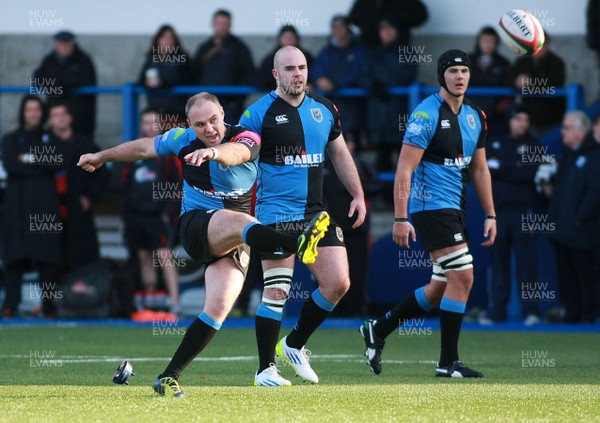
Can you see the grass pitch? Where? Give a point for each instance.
(61, 373)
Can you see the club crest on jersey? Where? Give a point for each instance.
(317, 115)
(471, 120)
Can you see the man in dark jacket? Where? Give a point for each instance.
(575, 208)
(513, 159)
(224, 59)
(77, 191)
(366, 14)
(31, 223)
(536, 78)
(64, 69)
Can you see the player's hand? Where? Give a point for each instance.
(90, 162)
(402, 233)
(489, 232)
(197, 157)
(359, 207)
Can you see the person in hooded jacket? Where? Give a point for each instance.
(31, 224)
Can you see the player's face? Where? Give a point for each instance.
(291, 73)
(519, 125)
(457, 79)
(59, 118)
(150, 125)
(206, 120)
(32, 114)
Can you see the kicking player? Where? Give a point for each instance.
(443, 144)
(296, 129)
(219, 171)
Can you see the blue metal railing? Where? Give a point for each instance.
(130, 93)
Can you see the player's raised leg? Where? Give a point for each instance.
(224, 281)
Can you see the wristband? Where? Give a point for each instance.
(491, 217)
(400, 219)
(215, 153)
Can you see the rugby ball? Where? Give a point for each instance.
(521, 32)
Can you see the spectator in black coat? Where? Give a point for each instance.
(32, 227)
(67, 67)
(536, 77)
(366, 14)
(575, 209)
(383, 70)
(77, 191)
(489, 70)
(167, 65)
(593, 28)
(224, 59)
(513, 159)
(288, 36)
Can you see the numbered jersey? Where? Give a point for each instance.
(212, 186)
(290, 177)
(450, 141)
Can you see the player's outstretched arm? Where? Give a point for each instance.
(482, 182)
(403, 232)
(346, 170)
(228, 154)
(139, 149)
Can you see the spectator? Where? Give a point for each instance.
(593, 28)
(31, 227)
(366, 14)
(77, 191)
(512, 159)
(151, 191)
(356, 240)
(339, 65)
(384, 112)
(575, 209)
(489, 70)
(224, 59)
(536, 78)
(288, 36)
(64, 69)
(167, 65)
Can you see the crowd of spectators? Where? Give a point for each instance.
(361, 51)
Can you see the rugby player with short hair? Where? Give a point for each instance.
(443, 146)
(219, 171)
(297, 128)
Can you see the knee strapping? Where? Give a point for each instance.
(457, 260)
(279, 278)
(438, 273)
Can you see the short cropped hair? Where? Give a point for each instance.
(200, 97)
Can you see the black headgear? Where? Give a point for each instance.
(448, 59)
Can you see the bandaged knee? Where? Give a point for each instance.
(456, 260)
(279, 279)
(438, 273)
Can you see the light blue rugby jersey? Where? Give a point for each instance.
(449, 140)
